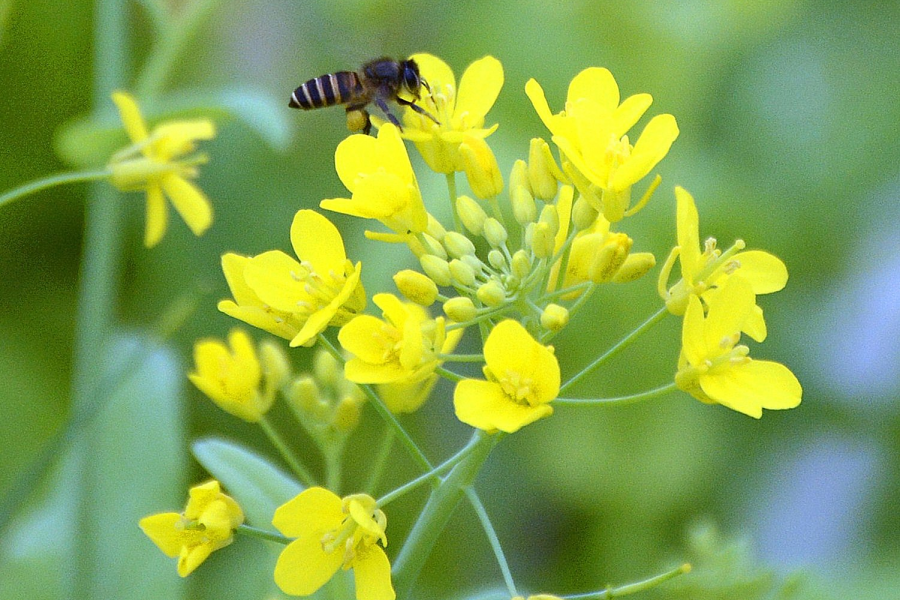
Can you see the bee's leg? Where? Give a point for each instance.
(387, 112)
(418, 109)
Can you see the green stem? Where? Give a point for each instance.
(32, 187)
(632, 588)
(376, 470)
(461, 357)
(449, 375)
(332, 454)
(623, 343)
(618, 401)
(434, 516)
(451, 188)
(262, 534)
(488, 527)
(296, 466)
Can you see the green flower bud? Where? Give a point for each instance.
(460, 309)
(436, 268)
(540, 173)
(554, 317)
(491, 293)
(462, 273)
(474, 262)
(326, 368)
(416, 287)
(524, 208)
(635, 266)
(521, 264)
(304, 394)
(346, 414)
(519, 176)
(496, 259)
(435, 229)
(275, 364)
(425, 244)
(494, 232)
(550, 216)
(458, 245)
(471, 214)
(542, 240)
(583, 214)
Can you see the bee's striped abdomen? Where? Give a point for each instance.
(327, 90)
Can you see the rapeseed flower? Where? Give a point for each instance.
(333, 533)
(297, 300)
(156, 163)
(206, 525)
(380, 177)
(522, 379)
(591, 134)
(715, 369)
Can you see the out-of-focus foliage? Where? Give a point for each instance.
(790, 139)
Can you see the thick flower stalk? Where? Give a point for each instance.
(522, 379)
(705, 269)
(380, 177)
(714, 368)
(333, 533)
(592, 135)
(160, 163)
(206, 525)
(297, 300)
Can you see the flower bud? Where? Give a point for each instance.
(435, 229)
(583, 214)
(496, 259)
(524, 208)
(471, 214)
(554, 317)
(275, 364)
(544, 183)
(521, 264)
(635, 266)
(304, 394)
(346, 414)
(519, 176)
(436, 268)
(423, 244)
(550, 216)
(462, 273)
(326, 368)
(474, 262)
(542, 240)
(416, 287)
(491, 293)
(610, 257)
(460, 309)
(494, 232)
(458, 245)
(481, 167)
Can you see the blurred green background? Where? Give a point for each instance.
(789, 123)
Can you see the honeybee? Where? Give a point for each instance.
(380, 81)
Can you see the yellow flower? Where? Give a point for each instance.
(704, 270)
(460, 111)
(297, 300)
(332, 533)
(522, 379)
(400, 348)
(591, 134)
(714, 369)
(206, 525)
(154, 162)
(378, 173)
(231, 377)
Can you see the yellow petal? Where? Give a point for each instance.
(729, 309)
(131, 116)
(162, 531)
(328, 315)
(510, 348)
(752, 386)
(651, 147)
(596, 84)
(478, 90)
(353, 156)
(436, 72)
(278, 280)
(535, 93)
(688, 226)
(303, 566)
(765, 272)
(157, 216)
(312, 510)
(193, 206)
(317, 241)
(192, 557)
(372, 572)
(693, 338)
(482, 404)
(629, 112)
(367, 338)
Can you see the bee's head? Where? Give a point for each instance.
(412, 81)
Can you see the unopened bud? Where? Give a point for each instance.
(423, 244)
(550, 216)
(496, 259)
(494, 232)
(554, 317)
(304, 394)
(458, 245)
(460, 309)
(346, 414)
(435, 229)
(326, 368)
(462, 273)
(524, 208)
(471, 214)
(610, 257)
(481, 167)
(275, 364)
(635, 266)
(519, 176)
(540, 173)
(416, 287)
(436, 268)
(521, 264)
(583, 214)
(491, 293)
(543, 240)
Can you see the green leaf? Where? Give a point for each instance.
(257, 485)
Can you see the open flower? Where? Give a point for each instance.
(378, 173)
(235, 378)
(522, 379)
(156, 162)
(297, 300)
(714, 369)
(460, 111)
(704, 270)
(331, 534)
(402, 347)
(591, 134)
(206, 525)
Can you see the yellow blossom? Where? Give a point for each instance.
(206, 525)
(715, 369)
(402, 347)
(333, 533)
(297, 300)
(156, 162)
(591, 134)
(522, 379)
(230, 375)
(460, 111)
(705, 269)
(380, 177)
